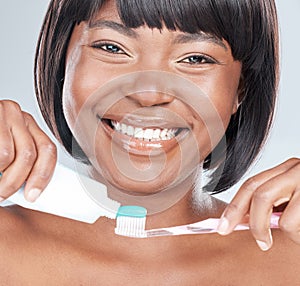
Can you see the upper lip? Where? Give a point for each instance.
(162, 119)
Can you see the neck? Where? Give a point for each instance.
(171, 208)
(181, 204)
(191, 208)
(187, 210)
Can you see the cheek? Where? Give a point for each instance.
(214, 112)
(82, 80)
(223, 91)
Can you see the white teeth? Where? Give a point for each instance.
(117, 126)
(138, 133)
(124, 129)
(130, 131)
(163, 133)
(148, 134)
(156, 133)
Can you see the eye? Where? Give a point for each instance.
(198, 59)
(108, 47)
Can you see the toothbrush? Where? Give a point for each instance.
(205, 226)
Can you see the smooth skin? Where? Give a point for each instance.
(41, 247)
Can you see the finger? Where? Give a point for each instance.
(240, 204)
(25, 155)
(7, 150)
(289, 221)
(44, 165)
(270, 193)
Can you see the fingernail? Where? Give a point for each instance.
(2, 199)
(265, 245)
(223, 226)
(281, 201)
(33, 194)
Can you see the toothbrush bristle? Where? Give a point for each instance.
(131, 226)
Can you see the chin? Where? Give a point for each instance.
(146, 187)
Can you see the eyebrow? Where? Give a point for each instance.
(199, 37)
(101, 24)
(180, 39)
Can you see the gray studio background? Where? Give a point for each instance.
(19, 26)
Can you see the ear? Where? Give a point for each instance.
(236, 105)
(239, 95)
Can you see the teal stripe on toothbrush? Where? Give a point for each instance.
(132, 211)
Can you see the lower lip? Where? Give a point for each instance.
(141, 147)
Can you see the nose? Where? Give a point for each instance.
(151, 98)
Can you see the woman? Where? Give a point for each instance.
(225, 55)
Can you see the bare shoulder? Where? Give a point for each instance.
(15, 229)
(14, 233)
(28, 248)
(281, 263)
(11, 223)
(241, 260)
(277, 266)
(284, 249)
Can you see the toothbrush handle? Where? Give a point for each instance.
(206, 226)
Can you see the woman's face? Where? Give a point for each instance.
(140, 135)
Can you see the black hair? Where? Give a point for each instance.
(249, 26)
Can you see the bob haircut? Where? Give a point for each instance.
(250, 28)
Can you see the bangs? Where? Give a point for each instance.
(236, 21)
(186, 16)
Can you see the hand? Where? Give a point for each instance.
(259, 195)
(26, 153)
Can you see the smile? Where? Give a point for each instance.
(148, 134)
(141, 139)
